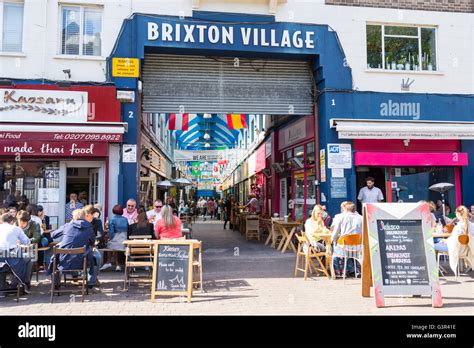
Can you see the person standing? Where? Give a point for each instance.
(72, 205)
(227, 211)
(130, 211)
(83, 197)
(370, 193)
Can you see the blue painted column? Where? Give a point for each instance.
(467, 173)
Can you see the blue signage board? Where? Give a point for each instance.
(338, 188)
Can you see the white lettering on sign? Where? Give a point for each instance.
(225, 35)
(395, 109)
(29, 105)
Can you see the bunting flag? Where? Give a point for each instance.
(236, 121)
(178, 122)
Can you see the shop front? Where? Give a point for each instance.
(405, 157)
(54, 142)
(155, 167)
(252, 66)
(296, 145)
(406, 169)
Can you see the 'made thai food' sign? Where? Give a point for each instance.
(28, 105)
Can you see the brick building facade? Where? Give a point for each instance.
(465, 6)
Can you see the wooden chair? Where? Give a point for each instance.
(138, 256)
(306, 253)
(197, 265)
(352, 248)
(252, 228)
(56, 274)
(276, 233)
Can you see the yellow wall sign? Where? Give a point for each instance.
(125, 67)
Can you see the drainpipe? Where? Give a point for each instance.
(316, 145)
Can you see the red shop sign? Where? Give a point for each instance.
(50, 149)
(69, 136)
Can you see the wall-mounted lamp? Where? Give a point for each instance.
(67, 72)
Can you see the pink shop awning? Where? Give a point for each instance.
(415, 159)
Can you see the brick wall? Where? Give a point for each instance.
(466, 6)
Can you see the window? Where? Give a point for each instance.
(12, 27)
(81, 30)
(401, 48)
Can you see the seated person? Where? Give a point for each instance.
(349, 222)
(452, 246)
(76, 234)
(169, 226)
(31, 228)
(142, 227)
(10, 237)
(314, 225)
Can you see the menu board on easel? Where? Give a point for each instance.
(172, 268)
(399, 253)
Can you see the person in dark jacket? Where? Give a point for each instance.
(228, 211)
(76, 234)
(142, 227)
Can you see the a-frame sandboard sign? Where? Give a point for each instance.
(399, 257)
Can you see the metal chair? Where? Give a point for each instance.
(56, 273)
(7, 272)
(352, 248)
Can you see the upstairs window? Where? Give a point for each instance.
(401, 48)
(11, 19)
(81, 30)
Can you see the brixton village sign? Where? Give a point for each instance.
(230, 35)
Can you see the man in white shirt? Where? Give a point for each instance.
(370, 193)
(154, 214)
(10, 237)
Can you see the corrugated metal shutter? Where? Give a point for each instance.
(215, 85)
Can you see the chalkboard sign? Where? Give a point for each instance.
(403, 256)
(399, 256)
(173, 268)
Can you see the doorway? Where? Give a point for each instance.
(84, 178)
(380, 176)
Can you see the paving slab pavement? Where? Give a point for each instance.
(242, 277)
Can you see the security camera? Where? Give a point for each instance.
(67, 72)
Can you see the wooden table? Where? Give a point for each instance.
(287, 229)
(442, 235)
